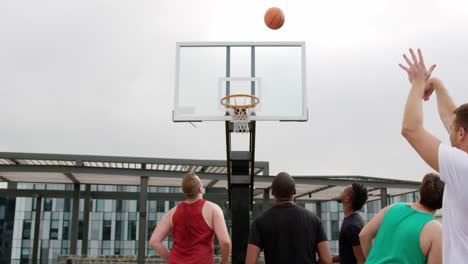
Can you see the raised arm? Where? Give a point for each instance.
(425, 144)
(220, 229)
(445, 103)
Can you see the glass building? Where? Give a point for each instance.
(7, 217)
(113, 224)
(90, 205)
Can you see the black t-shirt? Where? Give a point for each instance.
(287, 234)
(349, 237)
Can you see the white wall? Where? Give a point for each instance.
(97, 77)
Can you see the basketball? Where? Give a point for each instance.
(274, 18)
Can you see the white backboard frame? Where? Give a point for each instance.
(185, 114)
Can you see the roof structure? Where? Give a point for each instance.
(164, 172)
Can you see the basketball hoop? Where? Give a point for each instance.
(238, 107)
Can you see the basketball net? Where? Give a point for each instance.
(240, 113)
(240, 120)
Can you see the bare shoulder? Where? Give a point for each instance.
(433, 227)
(212, 206)
(431, 231)
(431, 236)
(212, 209)
(172, 211)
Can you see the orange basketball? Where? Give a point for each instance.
(274, 18)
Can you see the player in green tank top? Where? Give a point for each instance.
(407, 232)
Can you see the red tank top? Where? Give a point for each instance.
(193, 238)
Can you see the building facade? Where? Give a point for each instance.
(113, 224)
(7, 217)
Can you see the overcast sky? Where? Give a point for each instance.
(97, 77)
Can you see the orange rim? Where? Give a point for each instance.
(244, 106)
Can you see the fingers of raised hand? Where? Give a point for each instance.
(413, 56)
(407, 60)
(421, 59)
(404, 67)
(431, 69)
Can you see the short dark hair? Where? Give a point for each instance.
(461, 116)
(283, 186)
(358, 195)
(431, 191)
(190, 185)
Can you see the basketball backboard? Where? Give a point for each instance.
(273, 71)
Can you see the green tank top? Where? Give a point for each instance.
(397, 240)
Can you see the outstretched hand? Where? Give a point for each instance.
(417, 70)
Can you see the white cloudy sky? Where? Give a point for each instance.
(97, 77)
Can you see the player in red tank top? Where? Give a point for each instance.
(193, 224)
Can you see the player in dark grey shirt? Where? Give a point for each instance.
(287, 233)
(353, 198)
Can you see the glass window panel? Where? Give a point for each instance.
(27, 229)
(26, 244)
(161, 206)
(132, 216)
(65, 230)
(55, 215)
(131, 230)
(151, 226)
(66, 216)
(66, 205)
(44, 255)
(106, 244)
(25, 251)
(80, 230)
(324, 216)
(119, 216)
(132, 206)
(59, 205)
(45, 231)
(173, 203)
(118, 230)
(54, 227)
(335, 230)
(95, 230)
(48, 204)
(340, 207)
(151, 206)
(119, 205)
(334, 216)
(46, 215)
(108, 205)
(106, 229)
(333, 207)
(99, 205)
(107, 216)
(34, 204)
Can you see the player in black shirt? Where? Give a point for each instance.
(287, 233)
(353, 198)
